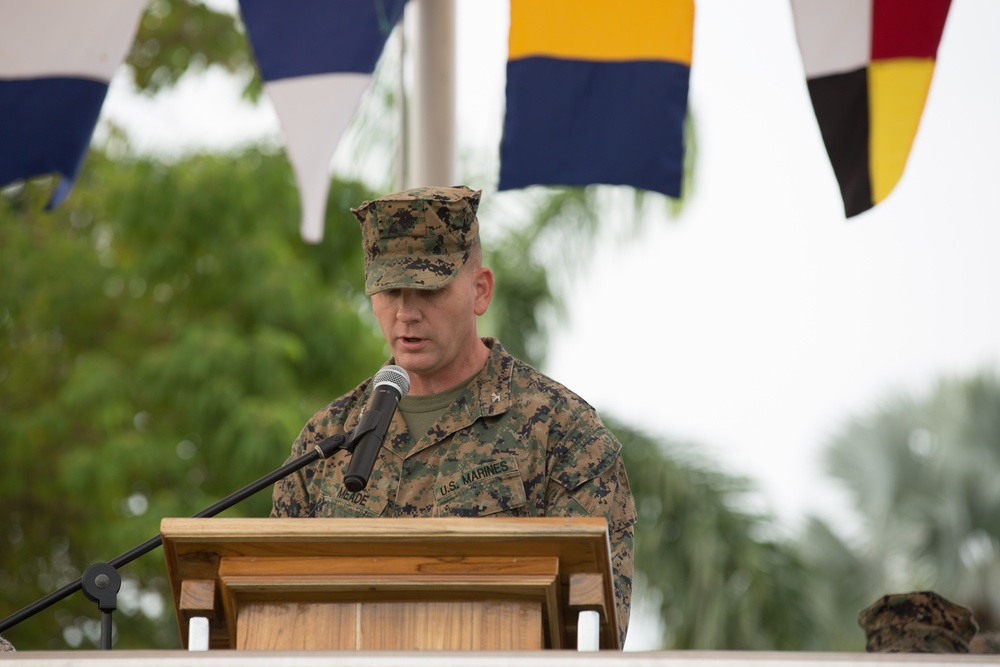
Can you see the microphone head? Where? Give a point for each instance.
(395, 376)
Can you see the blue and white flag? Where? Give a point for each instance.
(317, 58)
(56, 62)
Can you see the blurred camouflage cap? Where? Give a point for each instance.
(918, 622)
(419, 238)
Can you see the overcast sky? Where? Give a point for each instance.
(765, 318)
(760, 319)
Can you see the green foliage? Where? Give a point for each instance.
(163, 337)
(718, 577)
(523, 296)
(844, 585)
(923, 474)
(177, 36)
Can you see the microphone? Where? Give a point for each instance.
(391, 385)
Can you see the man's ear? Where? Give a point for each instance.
(484, 289)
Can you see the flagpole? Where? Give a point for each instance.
(431, 153)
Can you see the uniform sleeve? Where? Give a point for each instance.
(589, 480)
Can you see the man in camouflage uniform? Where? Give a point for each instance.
(480, 433)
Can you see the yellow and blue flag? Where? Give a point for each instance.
(597, 92)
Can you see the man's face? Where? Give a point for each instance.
(432, 333)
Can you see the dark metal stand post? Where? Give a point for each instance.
(101, 584)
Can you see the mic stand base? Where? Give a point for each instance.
(101, 584)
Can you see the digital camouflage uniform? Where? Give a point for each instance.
(514, 443)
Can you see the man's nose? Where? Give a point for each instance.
(409, 307)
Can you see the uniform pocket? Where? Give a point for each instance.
(492, 487)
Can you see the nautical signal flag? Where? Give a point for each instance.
(317, 58)
(868, 66)
(57, 59)
(597, 92)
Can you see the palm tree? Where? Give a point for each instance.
(923, 474)
(719, 573)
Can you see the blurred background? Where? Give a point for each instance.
(809, 407)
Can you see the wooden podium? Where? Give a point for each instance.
(391, 584)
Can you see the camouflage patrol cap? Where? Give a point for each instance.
(918, 622)
(419, 238)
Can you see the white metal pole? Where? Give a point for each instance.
(431, 152)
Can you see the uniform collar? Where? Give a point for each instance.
(488, 395)
(491, 387)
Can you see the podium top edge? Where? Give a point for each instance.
(440, 528)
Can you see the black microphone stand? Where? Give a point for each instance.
(101, 582)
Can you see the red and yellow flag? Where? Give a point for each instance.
(868, 65)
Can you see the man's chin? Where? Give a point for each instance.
(412, 361)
